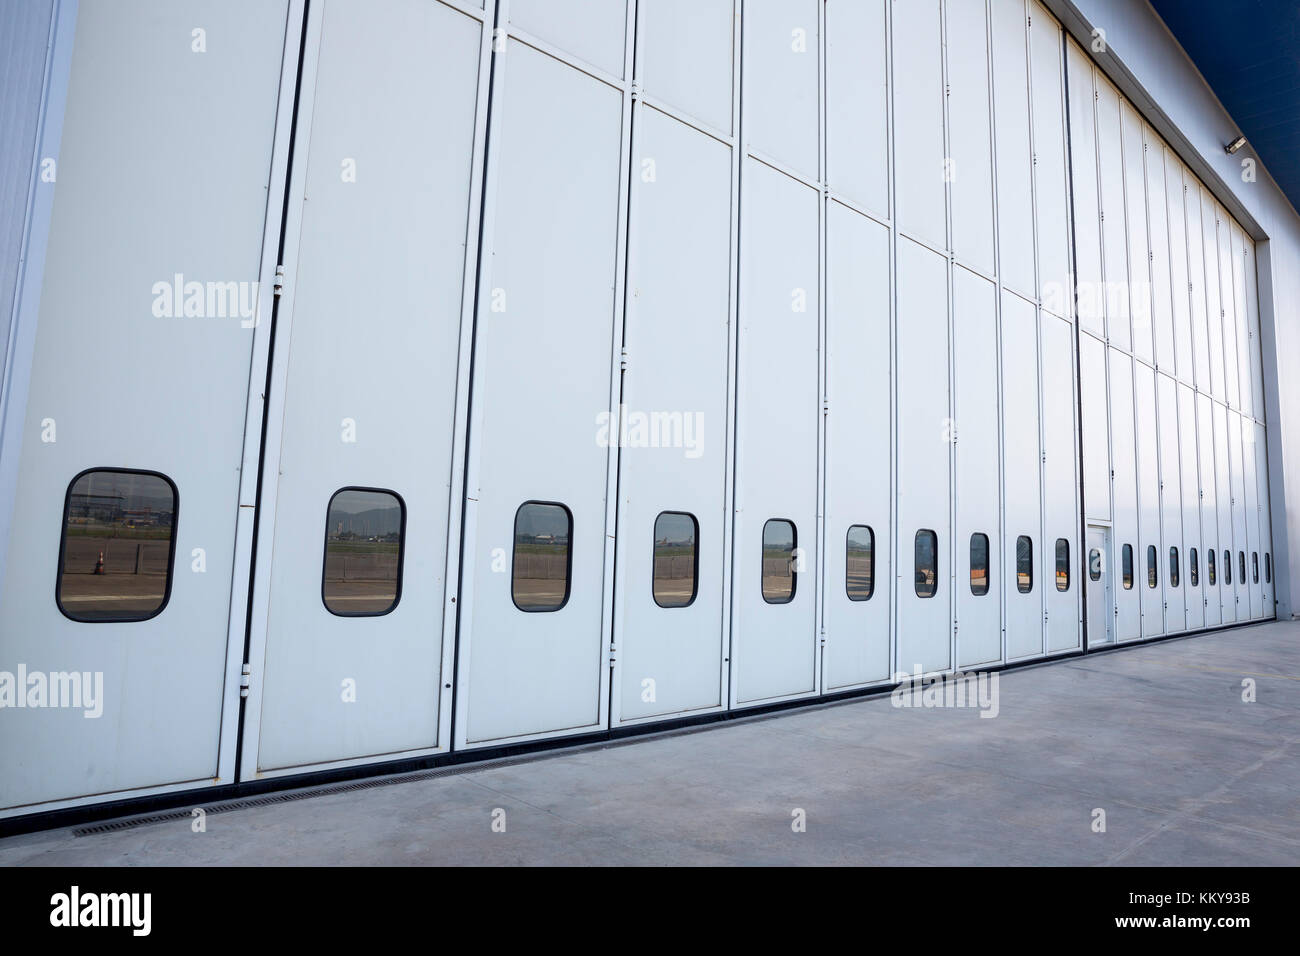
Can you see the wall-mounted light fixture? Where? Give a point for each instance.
(1235, 145)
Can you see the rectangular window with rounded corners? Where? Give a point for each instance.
(542, 563)
(1268, 568)
(859, 562)
(926, 553)
(1241, 565)
(1094, 565)
(979, 563)
(1227, 567)
(118, 545)
(365, 530)
(1126, 569)
(779, 543)
(1062, 564)
(1024, 564)
(1194, 568)
(1173, 567)
(1254, 567)
(676, 559)
(1153, 572)
(1210, 570)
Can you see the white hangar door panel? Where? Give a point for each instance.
(1173, 555)
(923, 573)
(1151, 577)
(774, 570)
(1212, 557)
(1241, 552)
(1124, 546)
(1194, 547)
(1022, 541)
(671, 527)
(357, 578)
(128, 376)
(1061, 547)
(857, 451)
(977, 537)
(1223, 508)
(531, 659)
(1266, 557)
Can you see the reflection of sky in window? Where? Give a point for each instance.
(778, 534)
(925, 545)
(859, 538)
(675, 528)
(136, 490)
(542, 519)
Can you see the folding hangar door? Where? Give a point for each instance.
(616, 376)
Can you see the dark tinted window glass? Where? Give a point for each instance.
(979, 564)
(1195, 568)
(1254, 567)
(1209, 566)
(1268, 568)
(1153, 573)
(1173, 567)
(1094, 565)
(676, 559)
(1024, 564)
(363, 552)
(859, 557)
(779, 542)
(1062, 564)
(543, 557)
(1127, 569)
(117, 552)
(926, 554)
(1227, 567)
(1241, 564)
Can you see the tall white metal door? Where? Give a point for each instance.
(121, 553)
(363, 472)
(545, 424)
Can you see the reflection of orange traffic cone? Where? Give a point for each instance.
(99, 565)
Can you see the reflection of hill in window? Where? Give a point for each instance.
(385, 523)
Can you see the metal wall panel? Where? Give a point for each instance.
(1023, 493)
(1213, 297)
(120, 377)
(970, 134)
(1094, 408)
(1148, 474)
(1269, 567)
(1015, 169)
(408, 204)
(1060, 500)
(1228, 307)
(1139, 266)
(677, 343)
(1085, 179)
(544, 329)
(1209, 511)
(1051, 184)
(920, 192)
(978, 472)
(1245, 340)
(924, 442)
(1171, 499)
(781, 84)
(1110, 159)
(857, 649)
(1128, 624)
(1178, 276)
(1197, 279)
(1252, 321)
(1162, 294)
(1237, 477)
(1250, 498)
(591, 30)
(857, 102)
(1191, 509)
(689, 68)
(774, 645)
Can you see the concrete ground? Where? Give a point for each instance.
(1157, 737)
